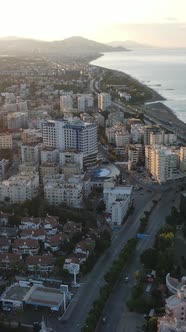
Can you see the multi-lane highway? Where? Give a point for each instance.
(118, 317)
(75, 316)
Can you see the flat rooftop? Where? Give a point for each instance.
(15, 293)
(44, 296)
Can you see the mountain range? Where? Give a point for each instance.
(73, 46)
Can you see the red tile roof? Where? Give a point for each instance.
(9, 257)
(56, 239)
(32, 232)
(30, 243)
(40, 260)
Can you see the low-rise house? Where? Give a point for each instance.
(51, 225)
(9, 261)
(85, 247)
(30, 223)
(40, 263)
(9, 232)
(4, 244)
(4, 218)
(21, 246)
(36, 234)
(71, 228)
(73, 262)
(55, 242)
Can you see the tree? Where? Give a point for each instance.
(152, 324)
(103, 242)
(165, 240)
(101, 207)
(59, 263)
(150, 258)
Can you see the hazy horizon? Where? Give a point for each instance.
(155, 22)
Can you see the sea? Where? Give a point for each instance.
(164, 70)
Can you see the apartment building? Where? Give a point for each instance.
(66, 103)
(136, 154)
(29, 136)
(176, 304)
(17, 120)
(117, 200)
(74, 134)
(122, 138)
(183, 158)
(19, 188)
(161, 162)
(3, 168)
(30, 153)
(48, 169)
(171, 324)
(114, 118)
(58, 191)
(100, 120)
(70, 157)
(5, 141)
(162, 138)
(49, 154)
(148, 130)
(85, 102)
(104, 101)
(137, 132)
(49, 133)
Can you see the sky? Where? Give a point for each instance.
(158, 22)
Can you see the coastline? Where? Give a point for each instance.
(155, 106)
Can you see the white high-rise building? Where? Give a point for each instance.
(5, 141)
(71, 157)
(17, 120)
(136, 154)
(30, 153)
(161, 162)
(117, 200)
(104, 101)
(22, 106)
(66, 103)
(49, 133)
(50, 155)
(72, 134)
(183, 159)
(57, 190)
(150, 129)
(19, 188)
(122, 138)
(84, 103)
(3, 166)
(137, 131)
(158, 138)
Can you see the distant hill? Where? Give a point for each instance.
(129, 44)
(73, 46)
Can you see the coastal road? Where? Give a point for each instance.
(75, 316)
(118, 318)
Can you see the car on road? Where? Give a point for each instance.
(7, 309)
(126, 279)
